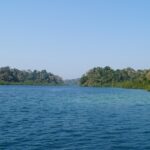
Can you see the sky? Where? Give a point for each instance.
(69, 37)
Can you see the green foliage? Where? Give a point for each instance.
(14, 76)
(126, 78)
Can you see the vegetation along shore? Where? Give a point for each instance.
(124, 78)
(10, 76)
(96, 77)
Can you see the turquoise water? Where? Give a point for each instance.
(74, 118)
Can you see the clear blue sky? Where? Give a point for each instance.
(69, 37)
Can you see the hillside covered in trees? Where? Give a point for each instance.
(126, 78)
(15, 76)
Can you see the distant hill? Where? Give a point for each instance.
(72, 81)
(16, 76)
(126, 78)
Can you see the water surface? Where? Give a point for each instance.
(74, 118)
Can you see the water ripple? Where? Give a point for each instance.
(72, 118)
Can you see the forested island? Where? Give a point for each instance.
(14, 76)
(96, 77)
(125, 78)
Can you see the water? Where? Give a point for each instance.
(73, 118)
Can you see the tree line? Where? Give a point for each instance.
(126, 78)
(16, 76)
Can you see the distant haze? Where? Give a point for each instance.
(68, 38)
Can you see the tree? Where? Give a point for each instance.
(8, 75)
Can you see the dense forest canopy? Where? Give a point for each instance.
(127, 78)
(15, 76)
